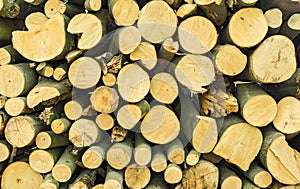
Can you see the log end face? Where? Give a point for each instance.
(12, 81)
(232, 182)
(41, 161)
(263, 179)
(61, 173)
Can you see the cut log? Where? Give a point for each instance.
(52, 7)
(239, 4)
(279, 158)
(9, 55)
(248, 22)
(197, 35)
(173, 174)
(81, 135)
(159, 161)
(192, 157)
(194, 71)
(186, 10)
(137, 176)
(65, 166)
(274, 19)
(133, 83)
(119, 154)
(105, 121)
(42, 161)
(9, 9)
(162, 130)
(19, 175)
(291, 87)
(44, 69)
(114, 179)
(61, 72)
(98, 186)
(118, 133)
(49, 114)
(175, 151)
(248, 185)
(60, 125)
(49, 183)
(48, 139)
(45, 48)
(7, 27)
(274, 64)
(73, 55)
(157, 21)
(48, 92)
(229, 60)
(84, 180)
(258, 176)
(16, 79)
(291, 28)
(202, 175)
(5, 149)
(146, 53)
(168, 49)
(20, 131)
(84, 73)
(239, 142)
(142, 152)
(129, 115)
(164, 88)
(93, 157)
(109, 79)
(215, 10)
(17, 105)
(93, 5)
(125, 13)
(73, 109)
(287, 119)
(256, 106)
(90, 28)
(35, 19)
(228, 178)
(105, 99)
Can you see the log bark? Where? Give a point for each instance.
(49, 182)
(19, 175)
(239, 143)
(94, 156)
(203, 174)
(159, 161)
(279, 158)
(3, 100)
(137, 176)
(45, 70)
(114, 179)
(133, 87)
(228, 178)
(129, 115)
(42, 161)
(156, 182)
(21, 131)
(286, 120)
(48, 92)
(119, 8)
(60, 125)
(258, 175)
(256, 106)
(194, 71)
(16, 79)
(48, 139)
(105, 121)
(9, 55)
(7, 27)
(85, 179)
(44, 48)
(105, 99)
(157, 14)
(229, 59)
(119, 154)
(246, 22)
(84, 73)
(142, 152)
(82, 136)
(215, 10)
(157, 131)
(173, 174)
(211, 157)
(145, 52)
(164, 88)
(192, 40)
(65, 166)
(167, 50)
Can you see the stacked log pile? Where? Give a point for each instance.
(149, 94)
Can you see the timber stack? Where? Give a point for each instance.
(155, 94)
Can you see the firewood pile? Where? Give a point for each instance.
(185, 94)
